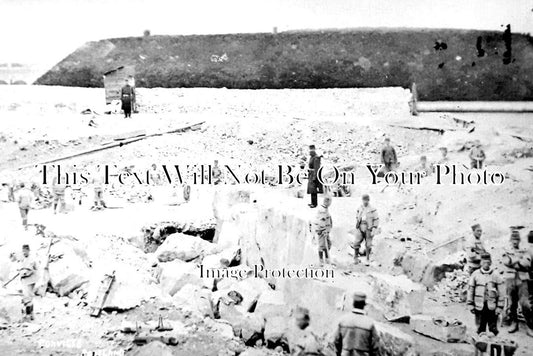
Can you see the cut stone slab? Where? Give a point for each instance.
(446, 331)
(250, 289)
(394, 342)
(397, 295)
(423, 269)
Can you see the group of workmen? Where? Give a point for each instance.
(366, 217)
(495, 292)
(354, 334)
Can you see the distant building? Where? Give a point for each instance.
(115, 79)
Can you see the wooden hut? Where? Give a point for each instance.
(115, 79)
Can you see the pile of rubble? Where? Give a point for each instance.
(453, 288)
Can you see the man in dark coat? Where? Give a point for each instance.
(388, 156)
(314, 187)
(128, 97)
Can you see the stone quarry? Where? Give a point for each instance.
(158, 245)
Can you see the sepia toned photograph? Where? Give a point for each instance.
(266, 178)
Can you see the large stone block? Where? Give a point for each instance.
(271, 303)
(176, 274)
(183, 247)
(276, 329)
(397, 295)
(250, 289)
(438, 328)
(70, 270)
(196, 299)
(394, 342)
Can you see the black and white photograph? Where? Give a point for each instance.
(266, 178)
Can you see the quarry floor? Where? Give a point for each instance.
(36, 128)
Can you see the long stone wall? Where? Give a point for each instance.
(445, 64)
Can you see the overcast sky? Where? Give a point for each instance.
(45, 31)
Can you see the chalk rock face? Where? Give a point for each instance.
(70, 270)
(176, 274)
(231, 254)
(196, 299)
(394, 342)
(183, 247)
(397, 295)
(423, 269)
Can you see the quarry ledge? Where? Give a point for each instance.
(259, 271)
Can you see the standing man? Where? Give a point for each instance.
(356, 334)
(216, 173)
(28, 269)
(367, 222)
(59, 195)
(517, 264)
(477, 156)
(25, 200)
(323, 225)
(486, 296)
(127, 97)
(303, 342)
(314, 187)
(475, 249)
(527, 310)
(98, 186)
(388, 156)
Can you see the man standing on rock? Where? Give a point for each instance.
(366, 226)
(517, 264)
(475, 249)
(477, 156)
(302, 342)
(127, 97)
(323, 224)
(486, 296)
(388, 156)
(25, 200)
(314, 187)
(28, 269)
(356, 334)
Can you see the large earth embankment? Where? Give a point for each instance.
(445, 64)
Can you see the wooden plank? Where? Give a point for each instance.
(101, 295)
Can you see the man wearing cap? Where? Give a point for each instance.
(388, 156)
(444, 156)
(486, 296)
(59, 195)
(356, 334)
(474, 249)
(127, 96)
(302, 341)
(25, 199)
(314, 187)
(477, 156)
(366, 226)
(27, 270)
(516, 274)
(527, 308)
(323, 224)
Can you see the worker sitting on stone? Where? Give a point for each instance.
(356, 334)
(323, 224)
(474, 249)
(486, 296)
